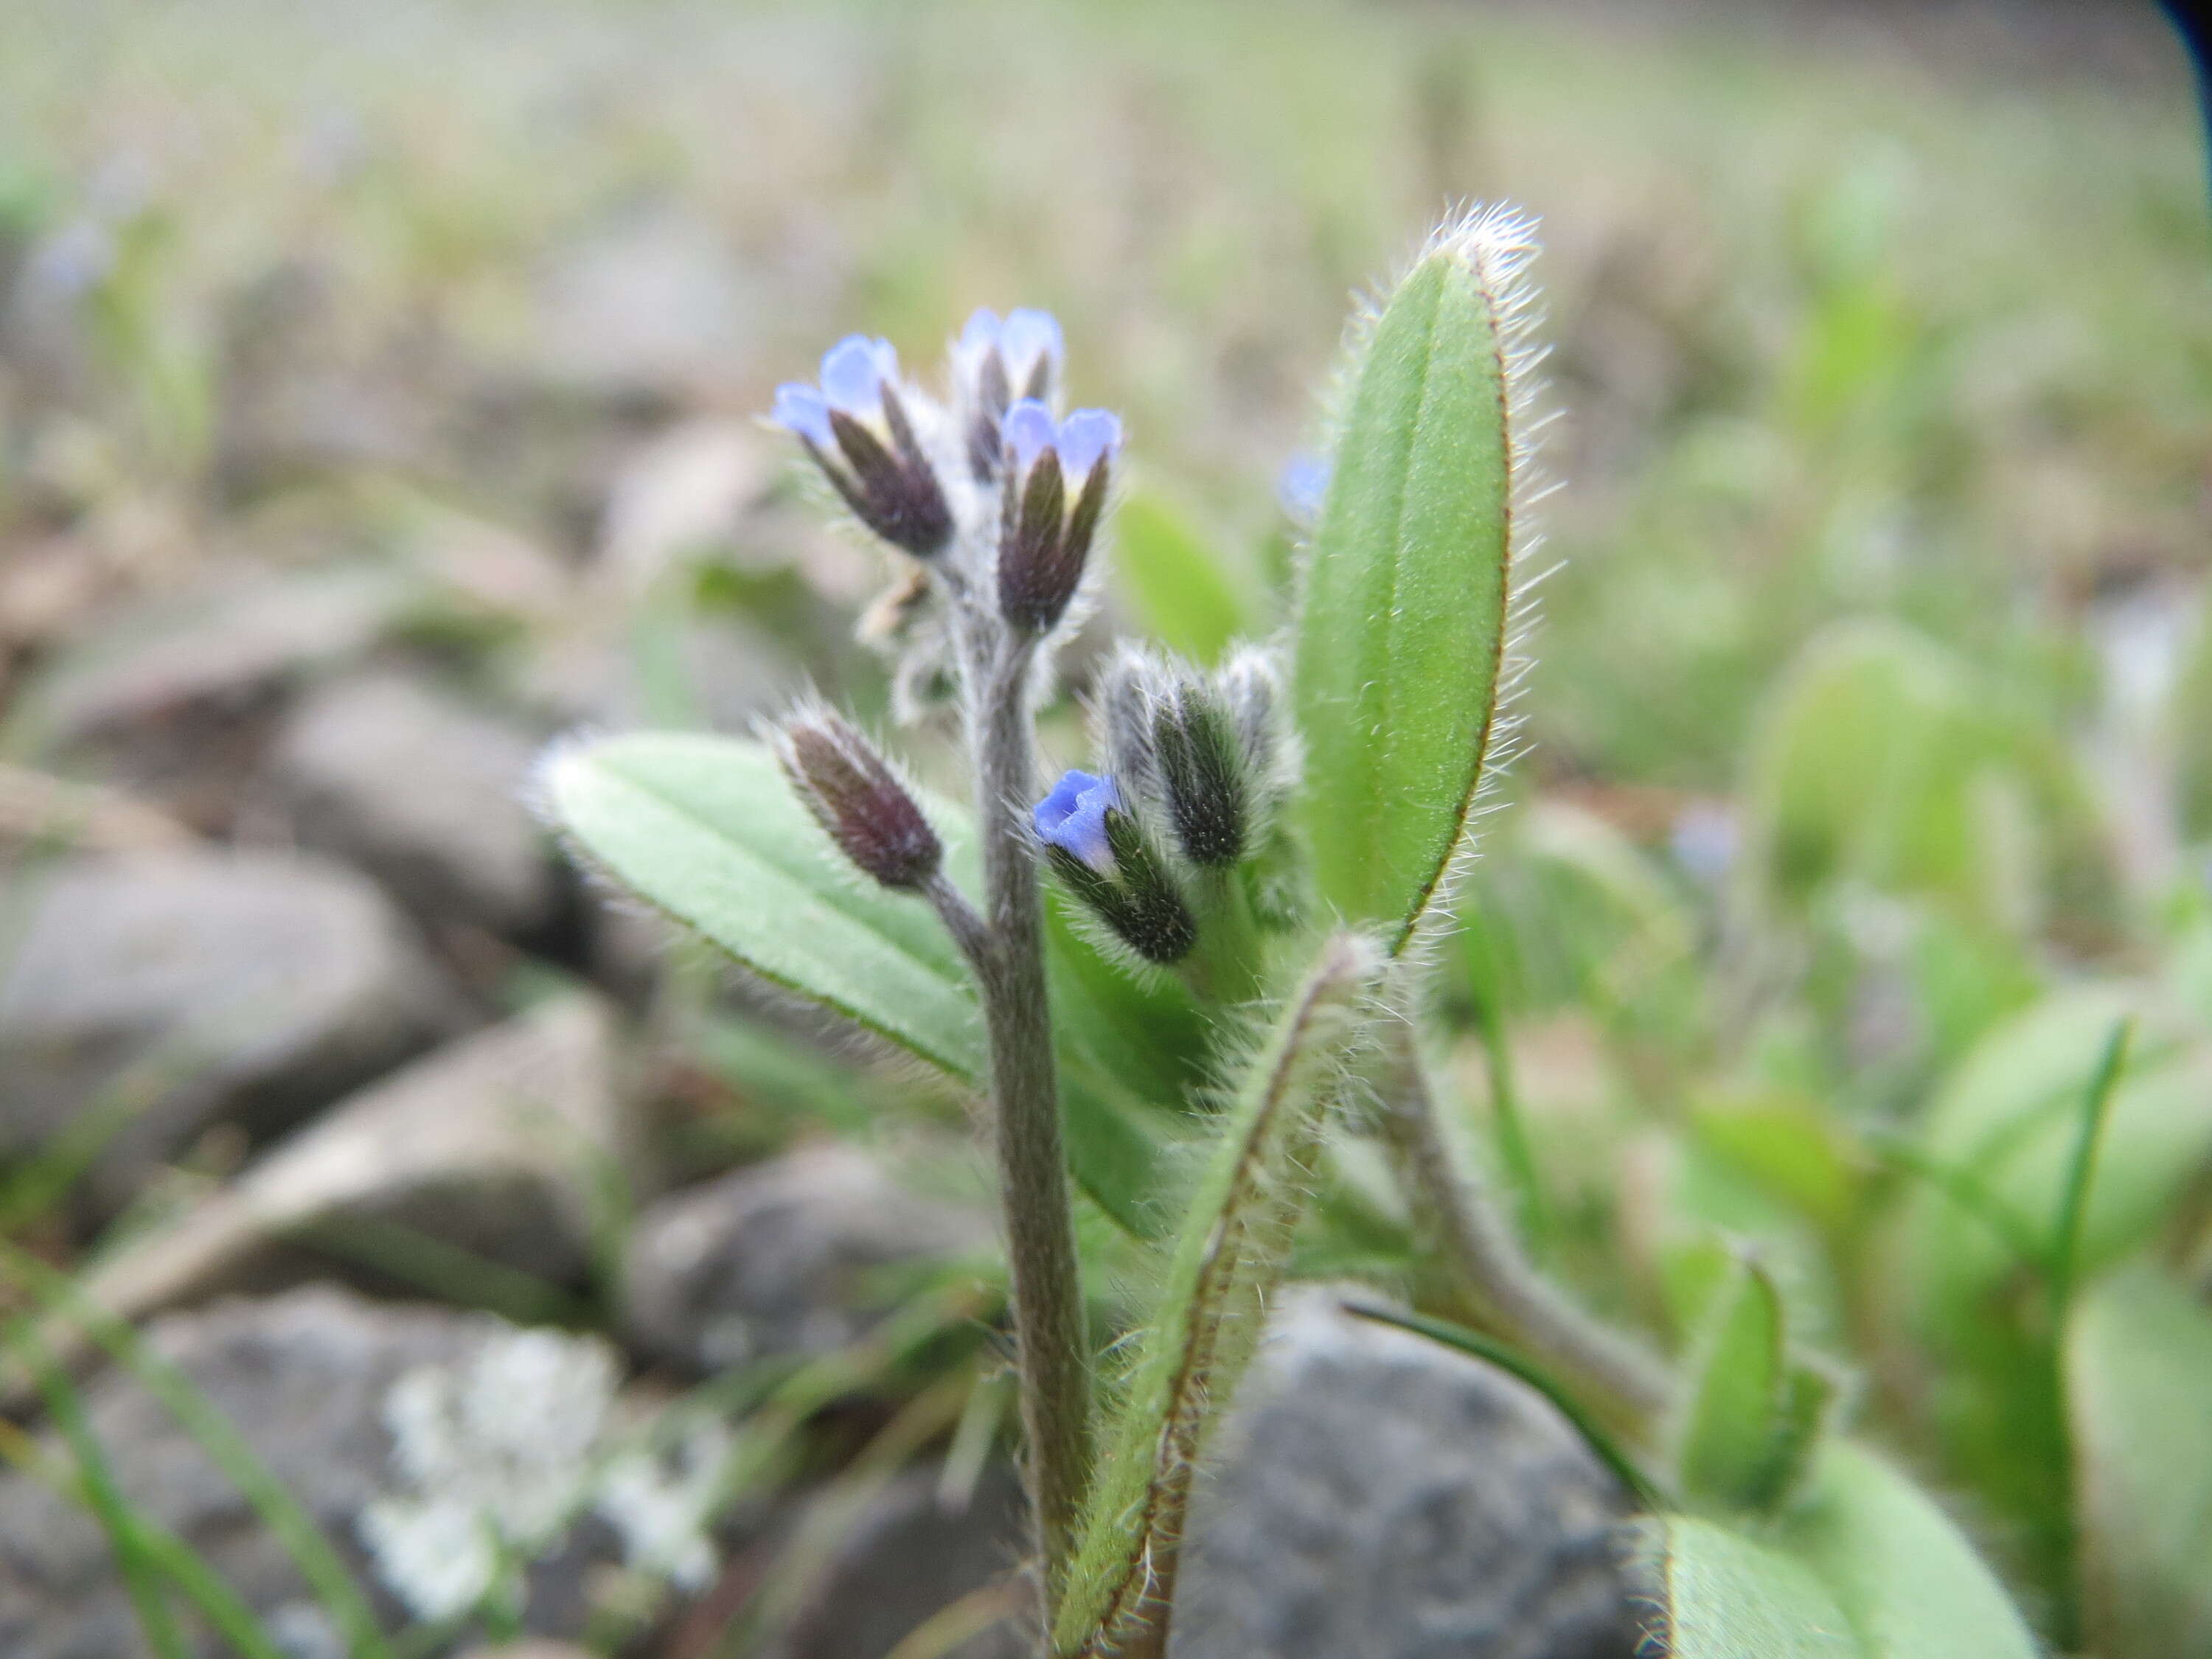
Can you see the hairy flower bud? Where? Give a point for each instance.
(858, 798)
(856, 427)
(1044, 539)
(1202, 773)
(1102, 854)
(994, 362)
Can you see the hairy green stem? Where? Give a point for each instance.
(1049, 1333)
(1496, 1289)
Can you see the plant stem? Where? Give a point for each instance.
(1498, 1293)
(1049, 1333)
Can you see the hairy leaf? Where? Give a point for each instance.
(1231, 1248)
(707, 830)
(1722, 1596)
(1403, 610)
(1863, 1567)
(1736, 1396)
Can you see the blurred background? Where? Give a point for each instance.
(379, 396)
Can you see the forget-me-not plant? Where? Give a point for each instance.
(1183, 977)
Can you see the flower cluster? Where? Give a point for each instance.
(1178, 836)
(997, 493)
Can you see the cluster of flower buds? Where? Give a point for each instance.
(858, 798)
(1044, 537)
(857, 428)
(993, 490)
(1174, 839)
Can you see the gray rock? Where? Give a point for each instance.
(423, 792)
(906, 1557)
(1381, 1498)
(234, 635)
(147, 997)
(305, 1378)
(777, 1259)
(492, 1145)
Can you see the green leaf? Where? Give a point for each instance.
(1724, 1596)
(1884, 759)
(706, 829)
(1403, 611)
(1181, 593)
(1911, 1584)
(2011, 1119)
(1735, 1415)
(1863, 1567)
(1232, 1247)
(2138, 1379)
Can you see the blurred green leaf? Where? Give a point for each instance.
(1181, 593)
(1724, 1596)
(1753, 1414)
(1793, 1150)
(1884, 760)
(706, 829)
(2139, 1393)
(1911, 1584)
(2011, 1116)
(1564, 909)
(1402, 616)
(1864, 1567)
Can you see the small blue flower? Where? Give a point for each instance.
(1023, 339)
(856, 424)
(1086, 437)
(1080, 441)
(1073, 817)
(854, 371)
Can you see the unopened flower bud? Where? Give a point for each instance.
(858, 798)
(1202, 774)
(1100, 853)
(994, 363)
(856, 427)
(1044, 538)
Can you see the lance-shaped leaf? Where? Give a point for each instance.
(1863, 1565)
(2139, 1392)
(1754, 1412)
(707, 830)
(1232, 1248)
(1404, 607)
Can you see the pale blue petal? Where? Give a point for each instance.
(1085, 436)
(1028, 336)
(1028, 430)
(852, 373)
(984, 330)
(803, 410)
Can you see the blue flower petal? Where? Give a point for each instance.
(854, 371)
(983, 331)
(1074, 817)
(1085, 436)
(1028, 336)
(803, 410)
(1029, 432)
